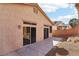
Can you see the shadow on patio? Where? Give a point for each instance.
(57, 51)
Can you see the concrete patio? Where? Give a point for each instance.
(36, 49)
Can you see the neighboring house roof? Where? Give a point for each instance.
(59, 23)
(38, 7)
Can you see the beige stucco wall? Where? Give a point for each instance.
(12, 15)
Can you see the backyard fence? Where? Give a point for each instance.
(67, 32)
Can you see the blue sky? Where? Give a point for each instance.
(60, 12)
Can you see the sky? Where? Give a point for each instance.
(60, 12)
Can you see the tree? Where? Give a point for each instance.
(73, 22)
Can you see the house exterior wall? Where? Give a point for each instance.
(77, 7)
(11, 25)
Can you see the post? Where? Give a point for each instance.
(78, 24)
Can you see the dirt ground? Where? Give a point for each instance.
(65, 49)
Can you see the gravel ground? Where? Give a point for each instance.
(65, 49)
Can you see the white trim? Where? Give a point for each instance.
(27, 25)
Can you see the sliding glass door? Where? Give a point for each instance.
(29, 35)
(46, 33)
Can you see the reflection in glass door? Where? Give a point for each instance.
(26, 35)
(33, 34)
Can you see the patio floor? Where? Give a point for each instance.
(37, 49)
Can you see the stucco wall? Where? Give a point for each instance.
(13, 15)
(10, 35)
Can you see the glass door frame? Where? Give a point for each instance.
(30, 26)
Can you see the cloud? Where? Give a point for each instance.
(75, 13)
(48, 8)
(65, 19)
(53, 7)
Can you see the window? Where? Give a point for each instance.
(59, 28)
(35, 10)
(50, 29)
